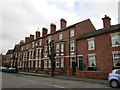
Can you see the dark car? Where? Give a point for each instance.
(114, 78)
(11, 70)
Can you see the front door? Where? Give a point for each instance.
(80, 62)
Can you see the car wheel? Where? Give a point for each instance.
(114, 83)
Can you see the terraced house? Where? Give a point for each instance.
(79, 49)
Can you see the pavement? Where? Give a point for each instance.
(100, 81)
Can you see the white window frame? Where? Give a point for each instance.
(22, 48)
(49, 63)
(39, 63)
(72, 59)
(62, 47)
(91, 58)
(62, 62)
(36, 63)
(57, 62)
(57, 47)
(45, 49)
(60, 36)
(36, 52)
(114, 38)
(40, 42)
(26, 46)
(117, 58)
(49, 39)
(28, 63)
(32, 44)
(71, 32)
(32, 54)
(72, 46)
(45, 63)
(91, 44)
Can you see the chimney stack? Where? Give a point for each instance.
(21, 42)
(37, 34)
(52, 27)
(63, 23)
(26, 39)
(44, 31)
(106, 21)
(31, 37)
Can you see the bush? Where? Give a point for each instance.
(92, 68)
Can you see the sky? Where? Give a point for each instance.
(20, 18)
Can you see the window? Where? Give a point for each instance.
(91, 59)
(62, 62)
(72, 46)
(57, 63)
(36, 52)
(32, 54)
(57, 47)
(39, 63)
(118, 72)
(40, 42)
(45, 49)
(49, 63)
(116, 59)
(91, 44)
(49, 39)
(26, 46)
(115, 40)
(45, 63)
(22, 48)
(60, 37)
(62, 47)
(36, 63)
(71, 33)
(33, 44)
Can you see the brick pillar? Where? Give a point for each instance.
(77, 71)
(70, 71)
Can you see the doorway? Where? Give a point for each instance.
(80, 62)
(73, 65)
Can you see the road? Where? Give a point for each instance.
(11, 80)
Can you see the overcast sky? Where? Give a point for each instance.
(20, 18)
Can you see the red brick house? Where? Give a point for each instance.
(9, 57)
(34, 49)
(78, 48)
(99, 51)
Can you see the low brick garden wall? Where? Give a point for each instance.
(92, 74)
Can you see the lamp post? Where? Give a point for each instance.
(51, 55)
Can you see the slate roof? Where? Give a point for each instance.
(17, 48)
(100, 31)
(9, 51)
(59, 30)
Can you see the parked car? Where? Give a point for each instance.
(3, 69)
(114, 78)
(11, 70)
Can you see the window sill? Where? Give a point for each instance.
(91, 49)
(116, 46)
